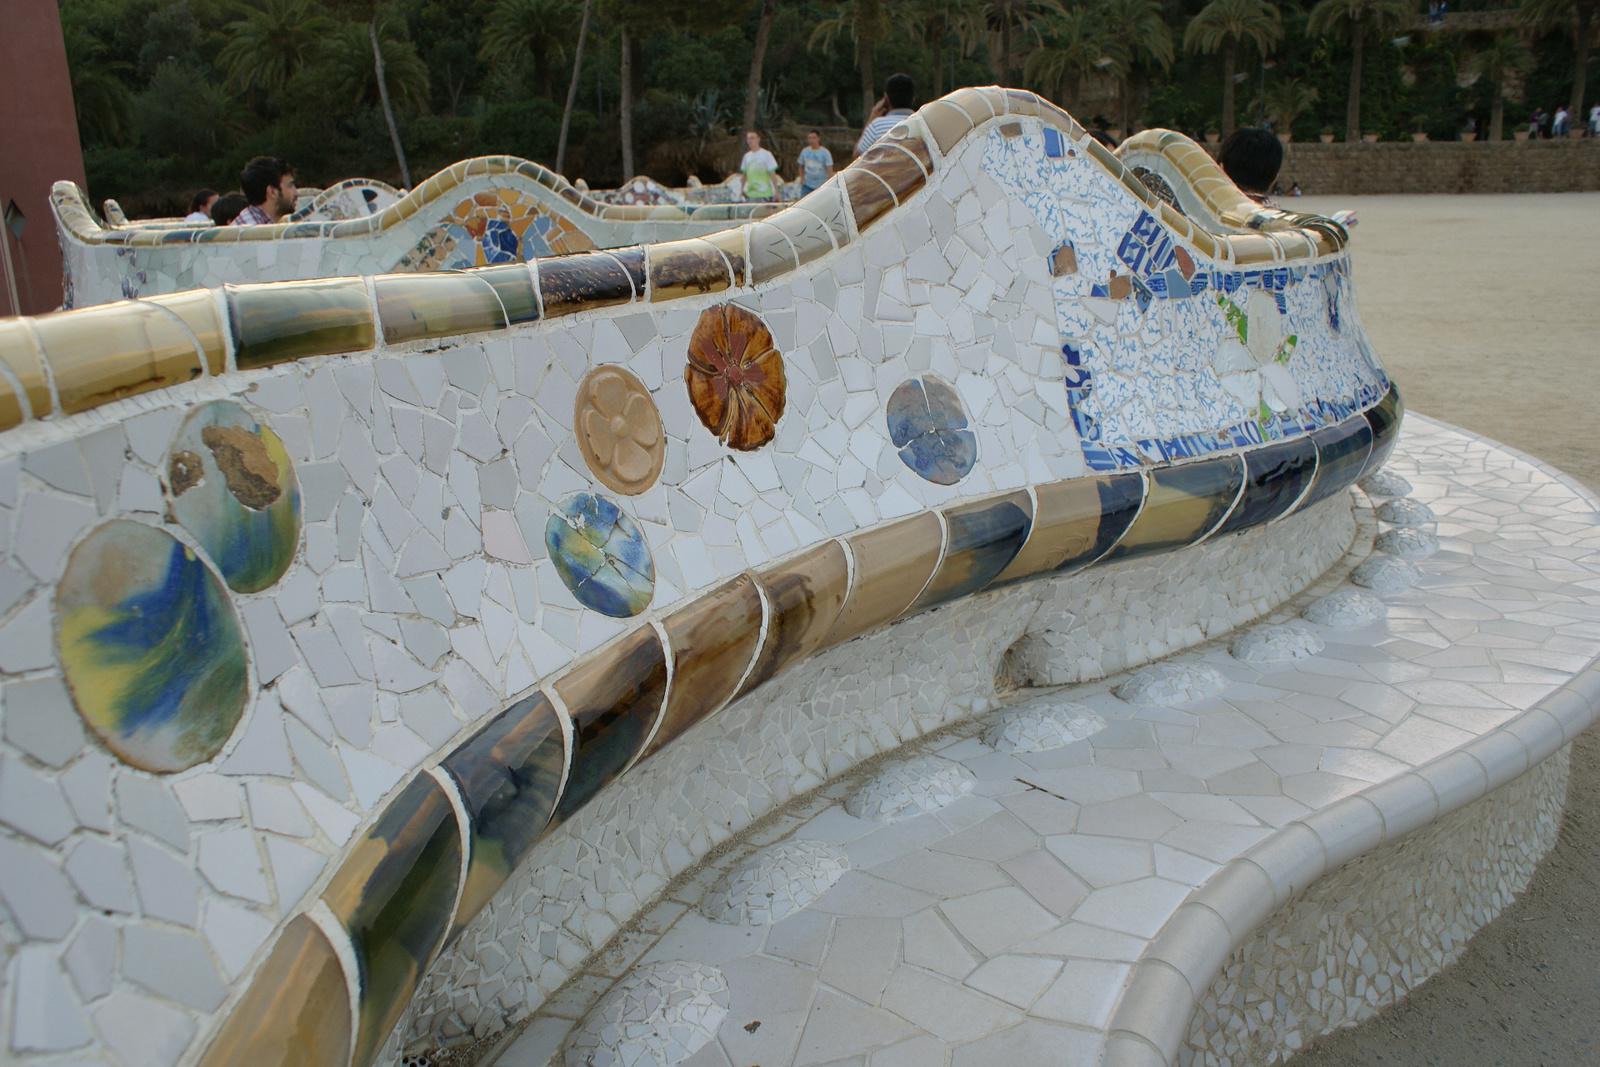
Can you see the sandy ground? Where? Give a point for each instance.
(1486, 310)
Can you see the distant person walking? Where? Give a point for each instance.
(268, 185)
(1558, 125)
(200, 206)
(898, 93)
(816, 163)
(1594, 120)
(760, 170)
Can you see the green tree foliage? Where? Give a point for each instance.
(1226, 24)
(271, 43)
(1355, 21)
(1576, 17)
(1286, 100)
(1076, 46)
(1502, 64)
(175, 94)
(536, 29)
(1140, 30)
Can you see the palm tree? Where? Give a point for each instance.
(572, 87)
(103, 104)
(271, 43)
(1140, 27)
(396, 73)
(1504, 62)
(1223, 24)
(758, 56)
(867, 22)
(943, 19)
(1076, 45)
(1356, 19)
(368, 12)
(1286, 101)
(536, 29)
(1551, 14)
(1006, 17)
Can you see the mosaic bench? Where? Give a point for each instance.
(478, 212)
(374, 649)
(1317, 829)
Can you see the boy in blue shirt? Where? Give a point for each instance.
(816, 163)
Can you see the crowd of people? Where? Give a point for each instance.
(1545, 124)
(267, 193)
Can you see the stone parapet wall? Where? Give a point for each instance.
(1444, 167)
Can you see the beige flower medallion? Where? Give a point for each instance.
(619, 430)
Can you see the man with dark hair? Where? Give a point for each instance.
(898, 93)
(268, 183)
(1251, 156)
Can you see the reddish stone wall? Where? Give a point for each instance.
(1444, 167)
(38, 145)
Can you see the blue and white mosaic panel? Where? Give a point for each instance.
(1167, 353)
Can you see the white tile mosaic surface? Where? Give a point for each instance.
(1277, 643)
(1166, 684)
(1385, 483)
(775, 882)
(659, 1016)
(1386, 574)
(1344, 608)
(1404, 511)
(910, 787)
(1002, 928)
(1041, 725)
(1407, 542)
(1364, 937)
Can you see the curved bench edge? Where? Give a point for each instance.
(1152, 1016)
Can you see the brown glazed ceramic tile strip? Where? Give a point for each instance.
(24, 376)
(623, 702)
(691, 267)
(582, 281)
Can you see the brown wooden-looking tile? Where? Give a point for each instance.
(613, 700)
(632, 260)
(296, 1011)
(904, 136)
(100, 354)
(21, 357)
(1184, 504)
(395, 893)
(713, 640)
(804, 597)
(581, 281)
(686, 268)
(1066, 527)
(946, 123)
(984, 537)
(892, 565)
(899, 170)
(870, 196)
